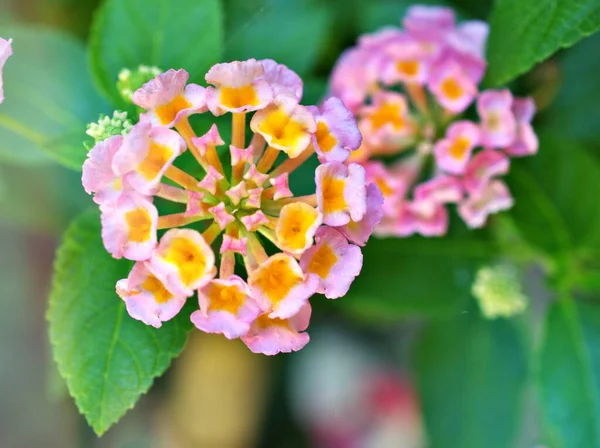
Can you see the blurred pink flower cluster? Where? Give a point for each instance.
(411, 91)
(240, 202)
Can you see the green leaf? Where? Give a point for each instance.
(556, 208)
(168, 34)
(525, 32)
(107, 358)
(575, 111)
(373, 15)
(49, 98)
(397, 276)
(290, 31)
(569, 375)
(470, 375)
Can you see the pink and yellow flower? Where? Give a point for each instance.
(242, 213)
(167, 98)
(146, 298)
(270, 336)
(226, 307)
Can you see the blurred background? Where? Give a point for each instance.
(374, 375)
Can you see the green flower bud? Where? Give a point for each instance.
(108, 126)
(131, 80)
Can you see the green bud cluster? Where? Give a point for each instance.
(108, 126)
(498, 292)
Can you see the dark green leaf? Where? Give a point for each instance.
(416, 276)
(49, 98)
(107, 358)
(168, 34)
(289, 31)
(556, 207)
(525, 32)
(569, 375)
(470, 375)
(575, 111)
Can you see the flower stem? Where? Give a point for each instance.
(267, 160)
(182, 178)
(178, 220)
(172, 194)
(186, 131)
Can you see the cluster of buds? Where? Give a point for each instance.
(411, 90)
(109, 126)
(242, 204)
(5, 52)
(498, 292)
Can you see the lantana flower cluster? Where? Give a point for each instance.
(424, 144)
(252, 251)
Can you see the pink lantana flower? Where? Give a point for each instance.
(226, 307)
(129, 227)
(335, 262)
(167, 98)
(281, 286)
(238, 87)
(98, 176)
(341, 193)
(270, 336)
(498, 124)
(337, 134)
(413, 91)
(146, 298)
(452, 153)
(249, 227)
(5, 52)
(146, 154)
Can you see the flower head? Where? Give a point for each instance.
(245, 212)
(430, 137)
(498, 291)
(5, 52)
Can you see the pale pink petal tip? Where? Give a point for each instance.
(360, 231)
(211, 138)
(98, 176)
(221, 215)
(282, 79)
(146, 298)
(273, 336)
(498, 124)
(254, 221)
(493, 198)
(238, 245)
(484, 166)
(5, 52)
(282, 187)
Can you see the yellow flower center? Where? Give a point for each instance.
(386, 190)
(452, 89)
(264, 321)
(188, 258)
(284, 131)
(324, 138)
(166, 113)
(157, 289)
(387, 113)
(408, 68)
(295, 221)
(139, 225)
(459, 147)
(156, 159)
(234, 97)
(225, 298)
(276, 279)
(333, 194)
(322, 261)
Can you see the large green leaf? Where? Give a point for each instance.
(525, 32)
(575, 111)
(107, 358)
(557, 207)
(49, 98)
(290, 31)
(470, 374)
(416, 276)
(569, 375)
(165, 33)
